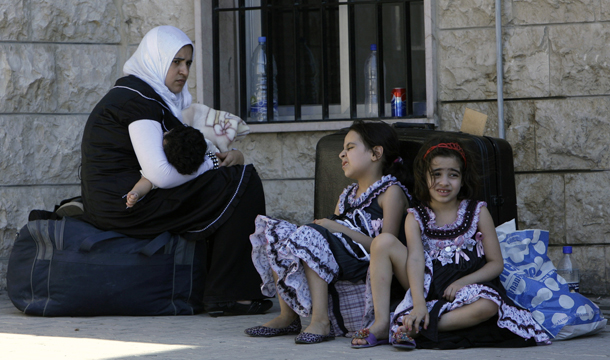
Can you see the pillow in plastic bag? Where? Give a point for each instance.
(531, 281)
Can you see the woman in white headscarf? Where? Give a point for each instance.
(217, 204)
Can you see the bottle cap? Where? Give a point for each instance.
(262, 39)
(373, 47)
(567, 249)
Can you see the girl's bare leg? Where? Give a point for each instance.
(388, 256)
(320, 324)
(468, 315)
(286, 316)
(463, 317)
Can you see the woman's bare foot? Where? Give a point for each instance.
(379, 331)
(281, 321)
(318, 328)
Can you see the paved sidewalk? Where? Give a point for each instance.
(203, 337)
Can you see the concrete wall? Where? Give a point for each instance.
(58, 58)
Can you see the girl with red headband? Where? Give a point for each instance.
(452, 265)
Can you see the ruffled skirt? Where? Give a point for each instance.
(512, 327)
(281, 247)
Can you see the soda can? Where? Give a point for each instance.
(399, 102)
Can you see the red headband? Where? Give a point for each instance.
(450, 146)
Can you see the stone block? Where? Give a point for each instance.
(290, 200)
(143, 15)
(40, 149)
(520, 133)
(572, 134)
(84, 75)
(604, 14)
(16, 203)
(592, 263)
(465, 13)
(299, 154)
(587, 213)
(579, 60)
(526, 62)
(95, 21)
(14, 20)
(541, 205)
(467, 64)
(528, 12)
(452, 115)
(3, 268)
(28, 78)
(265, 152)
(607, 255)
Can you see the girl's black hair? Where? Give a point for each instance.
(185, 148)
(378, 133)
(422, 166)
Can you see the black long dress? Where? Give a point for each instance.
(218, 207)
(453, 251)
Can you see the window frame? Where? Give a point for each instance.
(209, 83)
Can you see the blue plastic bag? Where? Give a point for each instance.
(531, 281)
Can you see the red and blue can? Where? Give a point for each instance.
(399, 102)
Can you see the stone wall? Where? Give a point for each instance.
(557, 92)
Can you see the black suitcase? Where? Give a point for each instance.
(495, 166)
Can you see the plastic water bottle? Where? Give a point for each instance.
(258, 83)
(371, 108)
(568, 270)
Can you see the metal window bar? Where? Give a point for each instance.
(267, 10)
(380, 67)
(324, 73)
(296, 20)
(409, 61)
(351, 31)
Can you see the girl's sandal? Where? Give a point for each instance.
(403, 341)
(371, 340)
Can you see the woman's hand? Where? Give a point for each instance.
(452, 289)
(412, 322)
(230, 158)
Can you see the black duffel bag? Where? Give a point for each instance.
(70, 268)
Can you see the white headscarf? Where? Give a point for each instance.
(151, 62)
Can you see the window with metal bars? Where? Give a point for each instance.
(319, 49)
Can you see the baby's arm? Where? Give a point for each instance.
(140, 189)
(493, 256)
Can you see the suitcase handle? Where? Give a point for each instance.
(152, 247)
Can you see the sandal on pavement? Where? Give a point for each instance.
(370, 339)
(309, 338)
(235, 308)
(263, 331)
(403, 341)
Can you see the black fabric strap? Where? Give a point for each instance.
(334, 295)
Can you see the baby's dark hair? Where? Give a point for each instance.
(422, 166)
(378, 133)
(185, 148)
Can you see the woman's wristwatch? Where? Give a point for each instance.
(214, 159)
